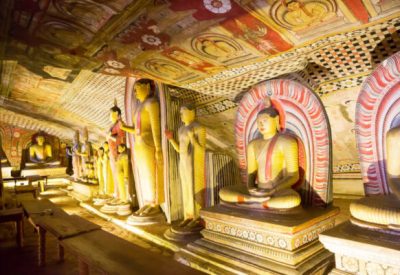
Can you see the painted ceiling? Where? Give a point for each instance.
(64, 61)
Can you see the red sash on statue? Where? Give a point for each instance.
(268, 162)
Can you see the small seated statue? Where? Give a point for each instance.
(383, 211)
(272, 167)
(41, 153)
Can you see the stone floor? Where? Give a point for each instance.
(14, 260)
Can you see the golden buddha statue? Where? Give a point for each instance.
(86, 154)
(147, 148)
(383, 211)
(123, 172)
(272, 168)
(41, 153)
(191, 149)
(76, 159)
(107, 172)
(99, 170)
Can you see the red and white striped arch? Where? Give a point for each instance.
(303, 115)
(377, 111)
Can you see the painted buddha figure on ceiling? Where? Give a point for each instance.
(272, 168)
(41, 153)
(383, 212)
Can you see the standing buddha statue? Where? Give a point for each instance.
(147, 149)
(191, 149)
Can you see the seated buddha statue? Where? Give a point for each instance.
(383, 211)
(272, 168)
(41, 153)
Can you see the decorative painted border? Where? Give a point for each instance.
(305, 117)
(378, 104)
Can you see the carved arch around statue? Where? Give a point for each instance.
(377, 111)
(303, 115)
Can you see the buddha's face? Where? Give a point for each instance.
(100, 152)
(106, 147)
(142, 91)
(63, 145)
(187, 116)
(121, 149)
(293, 6)
(40, 140)
(114, 116)
(267, 124)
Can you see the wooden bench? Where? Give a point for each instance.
(113, 255)
(47, 217)
(14, 215)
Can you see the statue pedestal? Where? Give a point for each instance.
(44, 171)
(363, 251)
(6, 171)
(83, 191)
(254, 241)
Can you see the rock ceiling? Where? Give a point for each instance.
(64, 61)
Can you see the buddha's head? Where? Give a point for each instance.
(63, 145)
(121, 148)
(85, 134)
(76, 137)
(188, 114)
(115, 114)
(100, 152)
(293, 6)
(268, 120)
(142, 89)
(40, 139)
(106, 147)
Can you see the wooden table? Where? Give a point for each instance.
(15, 215)
(47, 217)
(27, 188)
(114, 255)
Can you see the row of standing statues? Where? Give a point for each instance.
(272, 165)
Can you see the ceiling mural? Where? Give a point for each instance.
(190, 44)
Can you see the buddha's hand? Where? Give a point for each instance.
(191, 136)
(261, 192)
(168, 134)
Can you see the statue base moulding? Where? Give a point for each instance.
(363, 251)
(44, 171)
(183, 234)
(254, 241)
(83, 191)
(6, 171)
(146, 220)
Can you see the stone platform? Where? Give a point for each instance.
(83, 191)
(363, 251)
(6, 171)
(54, 172)
(264, 242)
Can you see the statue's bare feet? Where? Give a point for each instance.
(143, 208)
(151, 210)
(185, 222)
(194, 223)
(262, 193)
